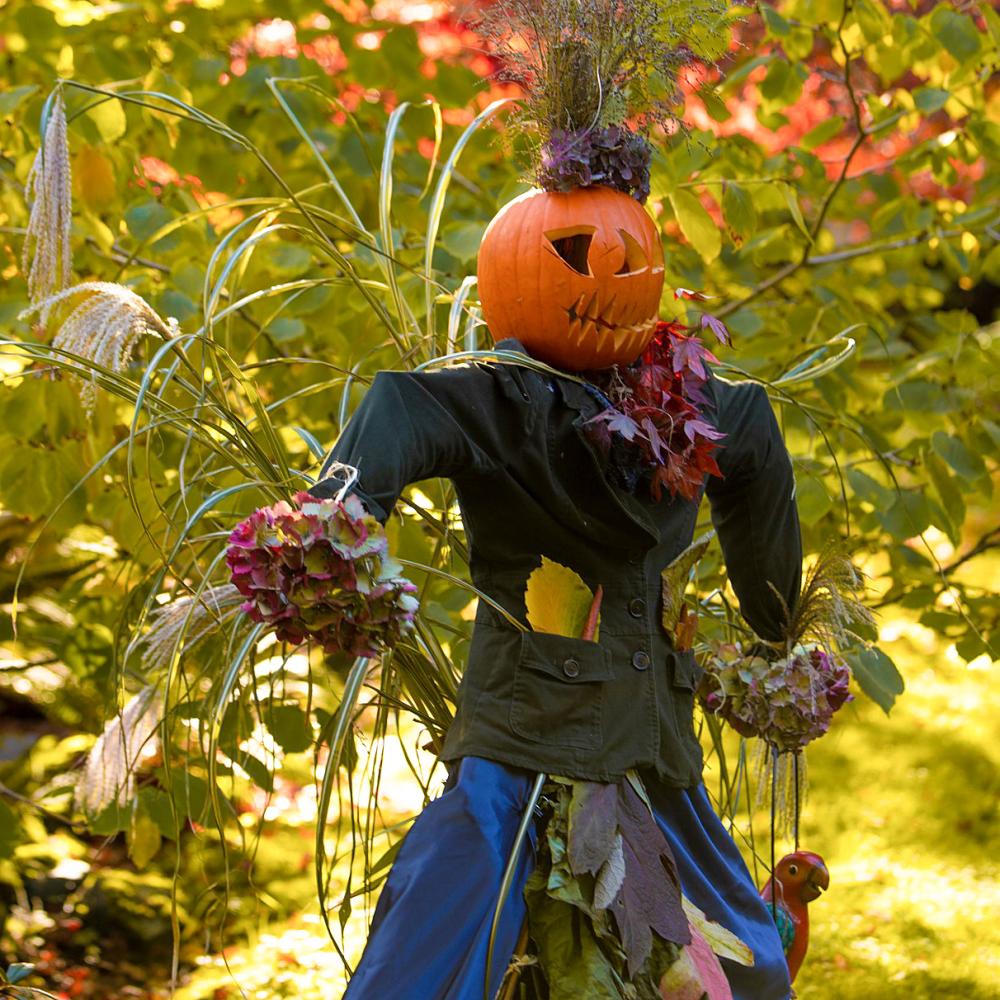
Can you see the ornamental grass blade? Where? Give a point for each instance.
(436, 209)
(404, 314)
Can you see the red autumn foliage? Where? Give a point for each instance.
(655, 413)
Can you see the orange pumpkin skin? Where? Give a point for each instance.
(576, 276)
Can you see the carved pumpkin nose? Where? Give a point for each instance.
(609, 257)
(575, 276)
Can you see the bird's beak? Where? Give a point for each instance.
(818, 880)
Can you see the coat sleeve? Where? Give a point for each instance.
(409, 426)
(754, 510)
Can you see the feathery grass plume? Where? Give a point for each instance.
(829, 603)
(104, 328)
(47, 255)
(597, 76)
(108, 774)
(195, 615)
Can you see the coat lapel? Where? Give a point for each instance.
(588, 404)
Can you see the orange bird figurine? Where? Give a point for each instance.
(800, 878)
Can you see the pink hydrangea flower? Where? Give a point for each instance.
(321, 569)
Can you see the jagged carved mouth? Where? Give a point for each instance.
(589, 312)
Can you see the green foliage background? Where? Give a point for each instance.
(309, 271)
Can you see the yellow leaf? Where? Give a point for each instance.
(143, 839)
(723, 942)
(675, 580)
(100, 232)
(558, 601)
(94, 178)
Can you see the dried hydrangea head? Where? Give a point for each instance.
(321, 569)
(612, 156)
(46, 255)
(103, 328)
(787, 702)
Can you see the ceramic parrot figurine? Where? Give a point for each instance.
(800, 877)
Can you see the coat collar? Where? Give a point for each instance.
(585, 398)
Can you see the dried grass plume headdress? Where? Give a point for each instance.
(599, 76)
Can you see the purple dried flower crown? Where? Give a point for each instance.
(321, 569)
(614, 157)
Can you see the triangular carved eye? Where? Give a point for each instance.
(573, 247)
(635, 257)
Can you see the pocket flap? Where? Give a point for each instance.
(686, 672)
(574, 661)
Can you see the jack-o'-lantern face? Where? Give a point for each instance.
(575, 276)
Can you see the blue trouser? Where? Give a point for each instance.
(432, 922)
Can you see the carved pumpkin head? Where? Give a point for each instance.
(575, 276)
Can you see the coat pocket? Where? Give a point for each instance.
(685, 670)
(559, 690)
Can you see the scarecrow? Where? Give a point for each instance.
(574, 850)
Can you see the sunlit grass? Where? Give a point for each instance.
(905, 812)
(296, 959)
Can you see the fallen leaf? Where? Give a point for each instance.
(722, 941)
(650, 897)
(592, 825)
(696, 975)
(611, 876)
(574, 963)
(674, 581)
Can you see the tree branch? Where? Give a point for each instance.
(862, 134)
(23, 800)
(848, 253)
(991, 540)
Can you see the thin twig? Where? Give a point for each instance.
(850, 253)
(509, 987)
(991, 540)
(23, 800)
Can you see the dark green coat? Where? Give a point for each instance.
(530, 484)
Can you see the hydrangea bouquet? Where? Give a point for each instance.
(321, 569)
(788, 702)
(788, 696)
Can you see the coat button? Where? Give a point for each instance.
(571, 668)
(637, 607)
(640, 659)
